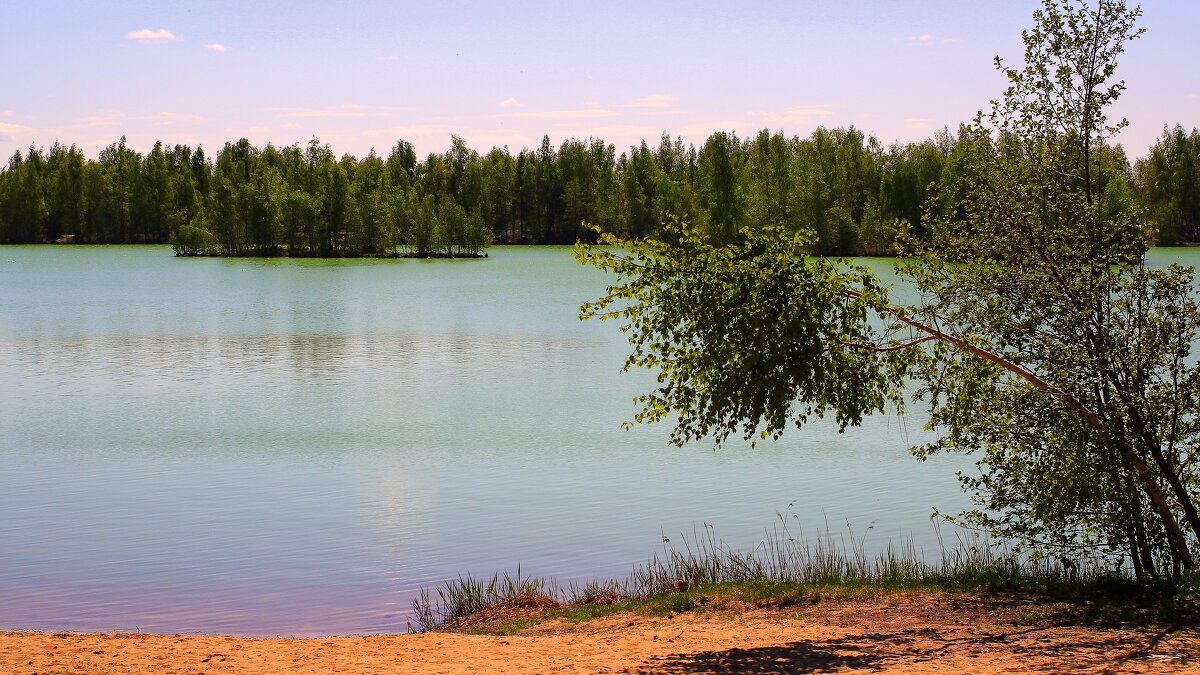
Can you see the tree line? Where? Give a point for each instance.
(854, 193)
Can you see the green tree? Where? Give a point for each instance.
(22, 202)
(814, 175)
(1046, 345)
(1047, 270)
(422, 237)
(65, 202)
(338, 235)
(604, 160)
(223, 217)
(770, 200)
(641, 191)
(1170, 183)
(152, 198)
(549, 194)
(905, 189)
(722, 191)
(580, 187)
(499, 194)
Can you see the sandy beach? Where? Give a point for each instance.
(912, 635)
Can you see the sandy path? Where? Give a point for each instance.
(849, 637)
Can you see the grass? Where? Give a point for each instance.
(702, 574)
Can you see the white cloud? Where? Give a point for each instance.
(655, 101)
(377, 109)
(411, 131)
(561, 114)
(802, 114)
(217, 47)
(110, 118)
(709, 128)
(387, 58)
(163, 118)
(147, 34)
(606, 131)
(291, 125)
(927, 38)
(340, 110)
(324, 113)
(1189, 96)
(187, 140)
(496, 138)
(6, 113)
(511, 102)
(8, 128)
(917, 123)
(259, 130)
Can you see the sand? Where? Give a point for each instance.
(916, 635)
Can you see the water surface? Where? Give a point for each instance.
(294, 447)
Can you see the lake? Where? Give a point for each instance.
(294, 447)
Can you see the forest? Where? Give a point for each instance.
(845, 186)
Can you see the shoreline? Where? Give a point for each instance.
(900, 633)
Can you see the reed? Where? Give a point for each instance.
(467, 595)
(784, 558)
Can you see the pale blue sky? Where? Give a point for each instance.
(361, 75)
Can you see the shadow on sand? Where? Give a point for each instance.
(914, 648)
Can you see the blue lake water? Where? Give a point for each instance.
(295, 447)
